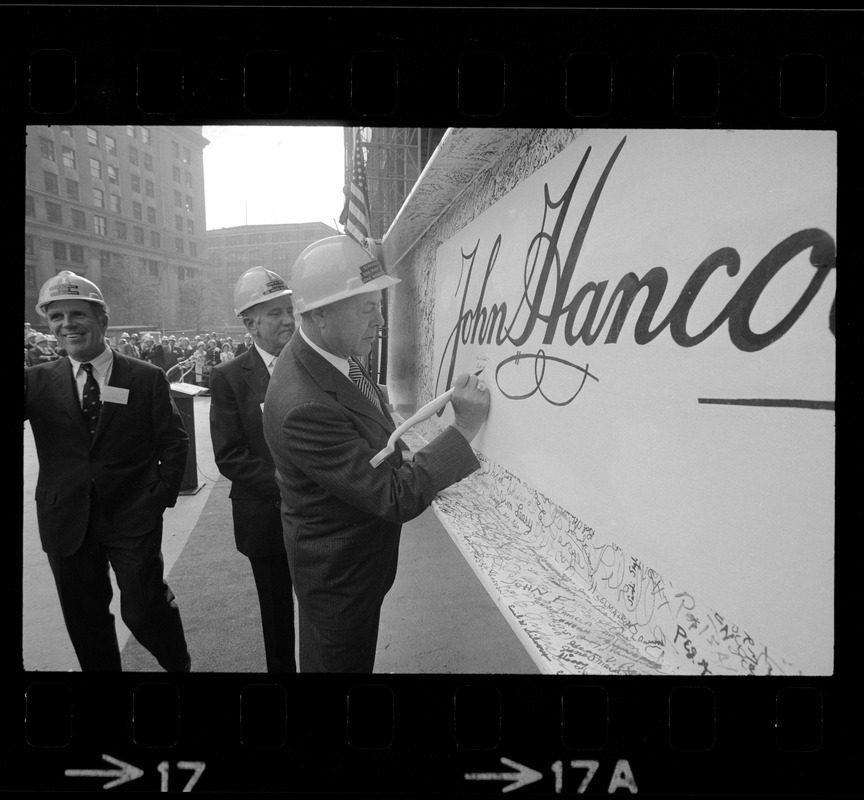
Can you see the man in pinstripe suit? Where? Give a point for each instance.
(324, 419)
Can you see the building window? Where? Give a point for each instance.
(51, 183)
(92, 136)
(104, 259)
(29, 248)
(178, 199)
(29, 206)
(96, 168)
(100, 225)
(149, 189)
(188, 176)
(155, 240)
(137, 210)
(69, 158)
(120, 229)
(189, 205)
(98, 198)
(187, 156)
(60, 251)
(133, 156)
(138, 234)
(178, 244)
(130, 131)
(46, 146)
(54, 213)
(111, 145)
(176, 171)
(136, 183)
(79, 219)
(145, 135)
(76, 253)
(193, 249)
(30, 277)
(67, 129)
(153, 267)
(148, 162)
(151, 215)
(178, 222)
(190, 226)
(175, 150)
(72, 189)
(113, 175)
(256, 238)
(116, 205)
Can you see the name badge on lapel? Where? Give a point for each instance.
(114, 394)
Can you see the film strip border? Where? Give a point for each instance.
(492, 66)
(400, 734)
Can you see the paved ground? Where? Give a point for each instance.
(438, 618)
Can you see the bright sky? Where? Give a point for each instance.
(264, 175)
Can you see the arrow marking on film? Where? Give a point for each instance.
(126, 772)
(523, 777)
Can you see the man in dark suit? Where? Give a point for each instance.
(237, 390)
(245, 345)
(130, 347)
(324, 419)
(170, 355)
(112, 452)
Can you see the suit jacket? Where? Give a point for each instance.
(170, 357)
(237, 390)
(341, 518)
(135, 463)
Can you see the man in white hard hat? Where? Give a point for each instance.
(324, 419)
(112, 453)
(237, 389)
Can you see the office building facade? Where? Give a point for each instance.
(124, 206)
(234, 250)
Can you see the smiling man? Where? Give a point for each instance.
(237, 390)
(112, 452)
(324, 419)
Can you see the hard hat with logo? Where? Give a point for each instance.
(257, 285)
(334, 268)
(67, 285)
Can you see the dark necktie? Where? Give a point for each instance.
(91, 404)
(363, 383)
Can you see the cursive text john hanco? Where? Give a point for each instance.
(547, 306)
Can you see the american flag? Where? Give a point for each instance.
(355, 215)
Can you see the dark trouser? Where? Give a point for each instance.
(273, 581)
(351, 648)
(343, 650)
(146, 602)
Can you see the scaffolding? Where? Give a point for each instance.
(395, 157)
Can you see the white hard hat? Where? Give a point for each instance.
(67, 285)
(334, 268)
(257, 285)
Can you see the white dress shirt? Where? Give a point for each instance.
(101, 371)
(268, 358)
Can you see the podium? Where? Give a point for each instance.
(183, 395)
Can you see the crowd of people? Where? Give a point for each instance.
(194, 357)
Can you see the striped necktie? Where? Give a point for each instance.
(363, 383)
(91, 404)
